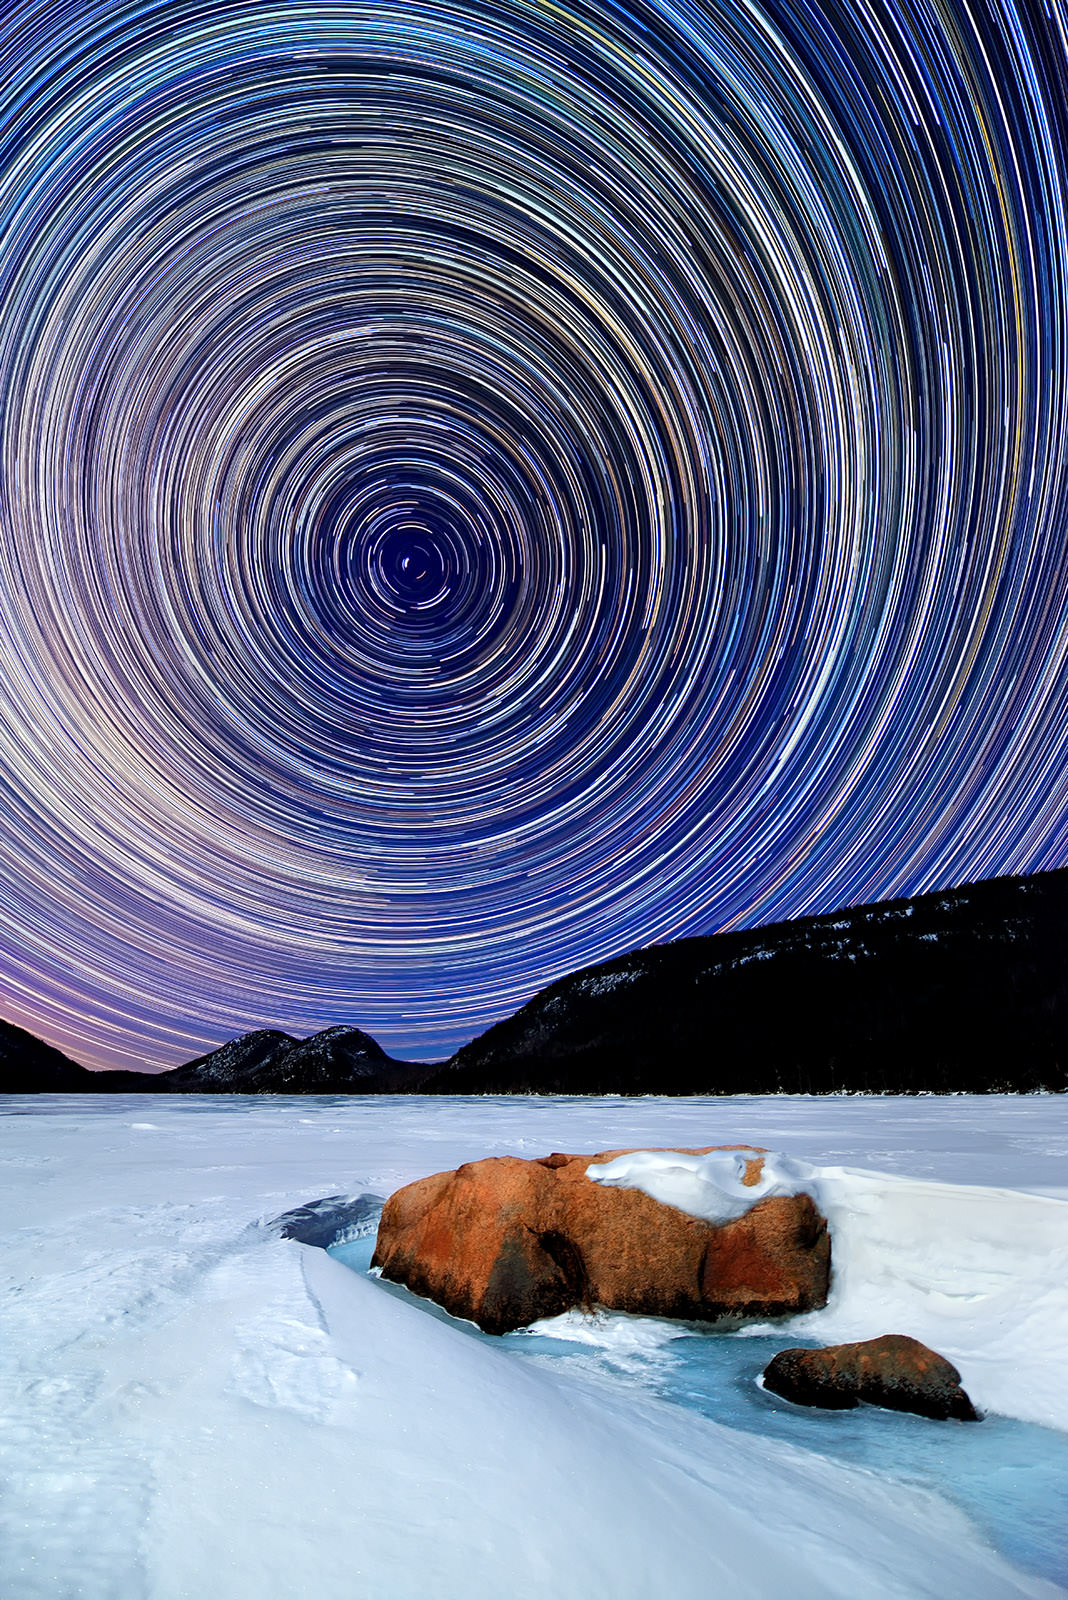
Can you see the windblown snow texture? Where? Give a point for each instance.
(193, 1405)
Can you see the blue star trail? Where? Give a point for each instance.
(486, 486)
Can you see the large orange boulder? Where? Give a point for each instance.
(896, 1372)
(505, 1241)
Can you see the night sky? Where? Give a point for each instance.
(488, 486)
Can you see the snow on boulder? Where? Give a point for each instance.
(895, 1371)
(504, 1242)
(717, 1184)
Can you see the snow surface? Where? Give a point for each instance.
(192, 1406)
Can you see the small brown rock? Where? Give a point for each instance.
(895, 1371)
(504, 1242)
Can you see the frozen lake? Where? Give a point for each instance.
(193, 1407)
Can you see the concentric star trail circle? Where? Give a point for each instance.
(485, 486)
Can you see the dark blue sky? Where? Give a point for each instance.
(488, 486)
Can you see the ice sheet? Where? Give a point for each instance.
(191, 1406)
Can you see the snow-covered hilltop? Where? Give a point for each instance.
(335, 1061)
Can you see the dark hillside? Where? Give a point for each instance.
(335, 1061)
(29, 1066)
(963, 990)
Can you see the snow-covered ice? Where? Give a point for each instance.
(193, 1406)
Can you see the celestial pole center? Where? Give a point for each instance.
(484, 486)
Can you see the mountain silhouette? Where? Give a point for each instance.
(959, 991)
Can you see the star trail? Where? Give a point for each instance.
(487, 486)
